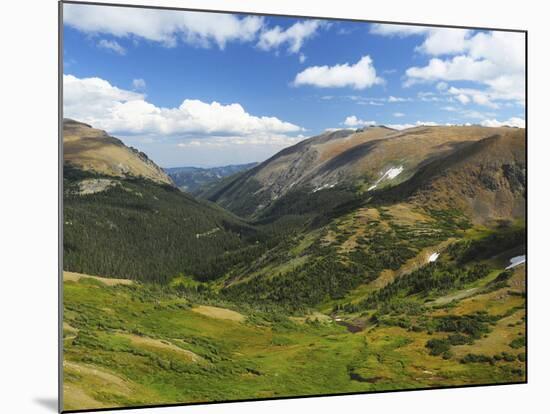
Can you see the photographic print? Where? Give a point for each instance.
(261, 206)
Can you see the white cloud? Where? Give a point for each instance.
(449, 108)
(302, 58)
(444, 41)
(360, 75)
(458, 68)
(280, 141)
(112, 45)
(428, 97)
(495, 60)
(407, 126)
(167, 27)
(476, 114)
(392, 99)
(512, 122)
(139, 84)
(398, 114)
(466, 95)
(462, 98)
(294, 36)
(399, 30)
(97, 102)
(353, 121)
(438, 41)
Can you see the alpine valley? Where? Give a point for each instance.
(354, 261)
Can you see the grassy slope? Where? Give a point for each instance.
(133, 345)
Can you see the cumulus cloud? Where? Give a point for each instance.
(139, 84)
(457, 68)
(97, 102)
(360, 75)
(512, 122)
(112, 45)
(293, 37)
(465, 95)
(495, 60)
(167, 27)
(443, 41)
(353, 121)
(438, 40)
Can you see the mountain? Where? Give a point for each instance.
(462, 193)
(364, 160)
(485, 179)
(124, 218)
(195, 180)
(94, 150)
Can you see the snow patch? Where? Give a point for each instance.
(324, 187)
(433, 257)
(393, 172)
(390, 175)
(516, 261)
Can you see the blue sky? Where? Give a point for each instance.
(209, 89)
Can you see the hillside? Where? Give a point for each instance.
(196, 180)
(94, 150)
(132, 222)
(367, 160)
(349, 236)
(485, 179)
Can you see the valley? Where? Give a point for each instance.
(355, 261)
(197, 180)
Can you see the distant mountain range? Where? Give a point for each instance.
(195, 180)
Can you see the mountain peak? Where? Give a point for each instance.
(92, 149)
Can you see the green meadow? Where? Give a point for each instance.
(138, 344)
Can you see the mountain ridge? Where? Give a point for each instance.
(94, 150)
(369, 159)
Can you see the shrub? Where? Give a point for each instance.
(438, 346)
(476, 358)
